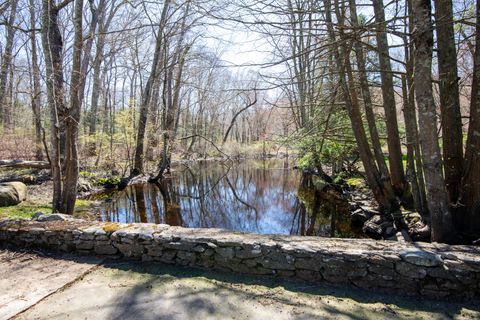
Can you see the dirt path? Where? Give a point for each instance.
(119, 290)
(27, 277)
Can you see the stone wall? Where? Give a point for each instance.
(419, 268)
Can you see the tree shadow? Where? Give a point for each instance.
(195, 302)
(224, 294)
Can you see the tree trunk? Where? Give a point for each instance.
(6, 64)
(441, 220)
(367, 99)
(52, 44)
(146, 96)
(449, 99)
(411, 126)
(400, 185)
(37, 91)
(382, 192)
(470, 219)
(73, 119)
(97, 75)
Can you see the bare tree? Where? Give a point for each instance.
(441, 219)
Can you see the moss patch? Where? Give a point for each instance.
(24, 210)
(355, 182)
(82, 205)
(111, 227)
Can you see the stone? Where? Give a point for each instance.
(277, 260)
(12, 193)
(359, 216)
(84, 245)
(185, 257)
(178, 245)
(227, 253)
(308, 275)
(105, 249)
(382, 270)
(130, 250)
(421, 257)
(308, 264)
(373, 228)
(250, 263)
(248, 253)
(409, 270)
(83, 185)
(154, 250)
(168, 255)
(418, 268)
(54, 217)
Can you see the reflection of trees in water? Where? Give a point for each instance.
(320, 212)
(257, 196)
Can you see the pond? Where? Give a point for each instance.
(261, 196)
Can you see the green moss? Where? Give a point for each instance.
(87, 174)
(355, 182)
(23, 210)
(111, 227)
(26, 209)
(82, 205)
(110, 181)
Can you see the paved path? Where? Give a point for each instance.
(35, 286)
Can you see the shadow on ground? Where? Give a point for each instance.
(139, 290)
(306, 300)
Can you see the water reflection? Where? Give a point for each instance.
(252, 196)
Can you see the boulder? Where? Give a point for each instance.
(373, 228)
(421, 257)
(42, 217)
(12, 193)
(83, 185)
(359, 216)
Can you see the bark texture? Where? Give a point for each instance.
(449, 99)
(441, 220)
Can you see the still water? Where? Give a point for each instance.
(264, 196)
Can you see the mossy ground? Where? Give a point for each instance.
(26, 209)
(356, 182)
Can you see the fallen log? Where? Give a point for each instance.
(22, 164)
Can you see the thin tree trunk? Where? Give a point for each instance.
(146, 97)
(52, 44)
(367, 99)
(412, 126)
(382, 192)
(470, 219)
(449, 99)
(97, 74)
(400, 185)
(410, 122)
(437, 197)
(37, 91)
(7, 64)
(73, 119)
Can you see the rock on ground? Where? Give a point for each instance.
(12, 193)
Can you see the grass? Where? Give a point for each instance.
(26, 209)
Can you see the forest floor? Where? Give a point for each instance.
(37, 285)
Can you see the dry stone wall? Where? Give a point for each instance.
(419, 268)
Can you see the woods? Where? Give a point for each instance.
(132, 86)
